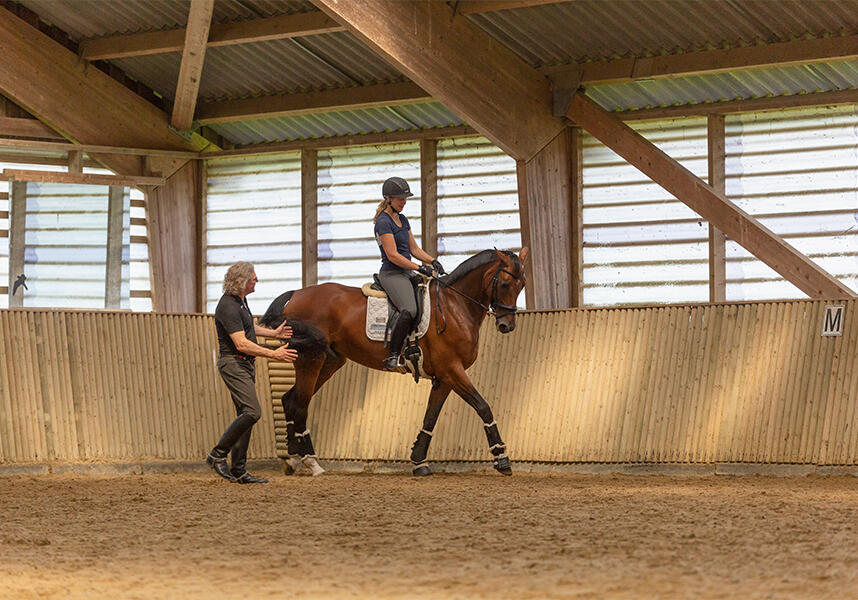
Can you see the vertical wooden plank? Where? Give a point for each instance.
(113, 270)
(576, 241)
(429, 196)
(717, 240)
(309, 217)
(524, 224)
(202, 227)
(17, 234)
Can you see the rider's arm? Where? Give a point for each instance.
(389, 245)
(417, 251)
(245, 346)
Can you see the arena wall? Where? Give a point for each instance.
(749, 382)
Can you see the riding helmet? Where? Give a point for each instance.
(396, 187)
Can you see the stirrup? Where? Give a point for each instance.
(391, 363)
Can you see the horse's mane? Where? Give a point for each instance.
(476, 261)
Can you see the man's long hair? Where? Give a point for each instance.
(236, 278)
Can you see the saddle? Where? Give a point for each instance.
(379, 316)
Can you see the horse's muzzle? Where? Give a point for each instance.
(506, 327)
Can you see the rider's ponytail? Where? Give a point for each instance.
(380, 209)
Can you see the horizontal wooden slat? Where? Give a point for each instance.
(81, 178)
(138, 221)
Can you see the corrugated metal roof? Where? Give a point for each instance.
(83, 19)
(595, 30)
(271, 67)
(738, 85)
(348, 122)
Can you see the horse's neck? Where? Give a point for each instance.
(472, 285)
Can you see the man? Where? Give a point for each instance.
(236, 334)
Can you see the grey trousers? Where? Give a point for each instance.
(398, 286)
(240, 377)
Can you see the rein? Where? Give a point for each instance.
(491, 309)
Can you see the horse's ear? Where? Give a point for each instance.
(522, 256)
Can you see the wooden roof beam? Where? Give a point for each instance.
(227, 34)
(193, 57)
(351, 98)
(782, 54)
(460, 65)
(738, 225)
(254, 30)
(84, 104)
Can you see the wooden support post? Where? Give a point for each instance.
(547, 223)
(760, 241)
(717, 240)
(576, 209)
(75, 161)
(113, 270)
(17, 234)
(202, 227)
(309, 217)
(174, 243)
(524, 221)
(429, 196)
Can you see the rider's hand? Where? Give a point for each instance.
(285, 354)
(436, 264)
(284, 332)
(425, 270)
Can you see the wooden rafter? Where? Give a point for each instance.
(780, 54)
(705, 201)
(85, 105)
(351, 98)
(193, 56)
(255, 30)
(460, 65)
(227, 34)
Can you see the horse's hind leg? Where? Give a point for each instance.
(310, 374)
(463, 386)
(420, 449)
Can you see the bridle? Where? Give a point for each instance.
(491, 309)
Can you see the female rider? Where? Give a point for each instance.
(397, 246)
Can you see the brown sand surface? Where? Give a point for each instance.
(192, 536)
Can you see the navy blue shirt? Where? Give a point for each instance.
(232, 314)
(401, 235)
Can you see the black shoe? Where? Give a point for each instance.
(248, 478)
(219, 466)
(391, 363)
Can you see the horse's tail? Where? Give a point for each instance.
(274, 315)
(306, 339)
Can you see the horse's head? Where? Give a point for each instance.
(505, 283)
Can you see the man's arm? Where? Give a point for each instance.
(284, 353)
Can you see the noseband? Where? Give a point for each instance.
(491, 309)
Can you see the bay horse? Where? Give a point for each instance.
(329, 327)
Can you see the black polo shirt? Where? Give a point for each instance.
(232, 314)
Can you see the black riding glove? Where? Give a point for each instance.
(436, 264)
(425, 270)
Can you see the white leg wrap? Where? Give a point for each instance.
(429, 433)
(487, 425)
(311, 463)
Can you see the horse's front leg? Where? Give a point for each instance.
(420, 449)
(461, 383)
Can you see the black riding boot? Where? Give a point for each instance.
(398, 333)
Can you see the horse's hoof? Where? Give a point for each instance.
(501, 465)
(311, 463)
(421, 471)
(291, 465)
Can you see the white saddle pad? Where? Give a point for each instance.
(376, 317)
